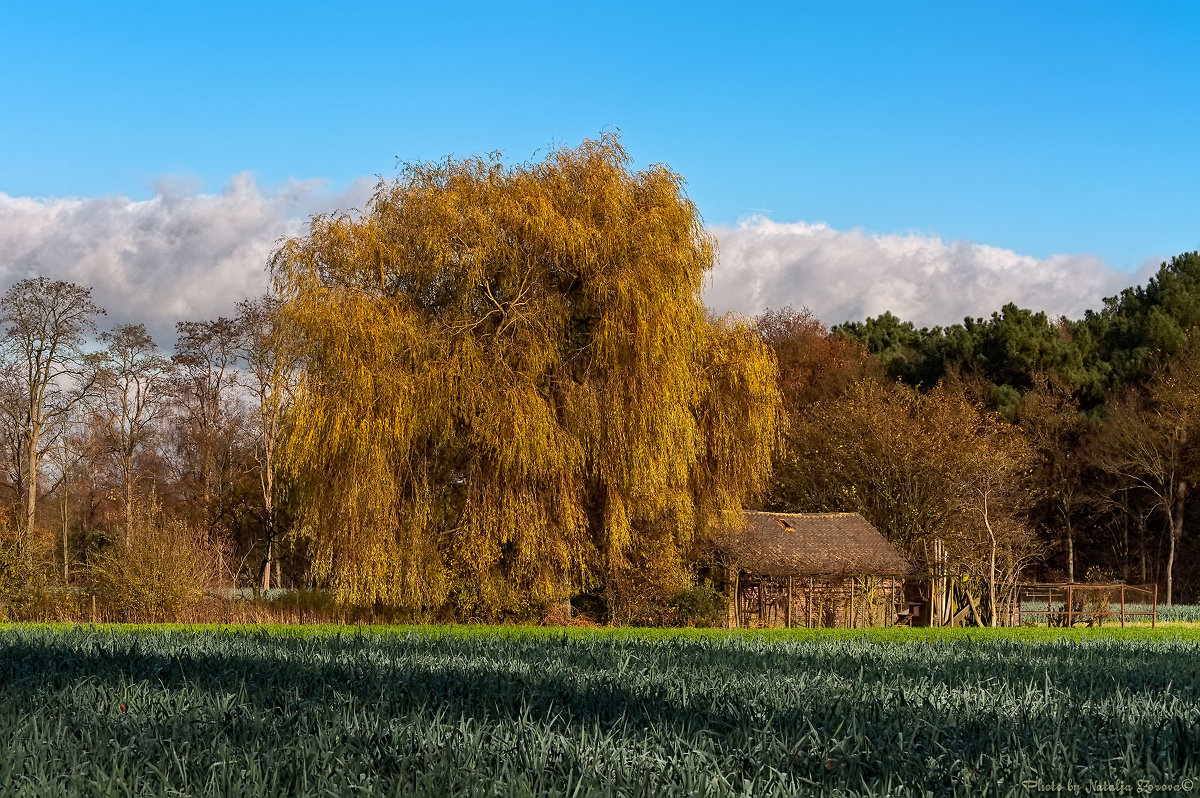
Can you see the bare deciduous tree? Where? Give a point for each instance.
(1147, 444)
(206, 354)
(269, 373)
(47, 323)
(1049, 414)
(133, 382)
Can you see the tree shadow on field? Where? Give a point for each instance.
(789, 708)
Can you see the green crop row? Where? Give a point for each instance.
(1178, 613)
(516, 712)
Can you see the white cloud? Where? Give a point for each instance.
(188, 255)
(179, 255)
(849, 275)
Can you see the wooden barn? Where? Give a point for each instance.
(809, 569)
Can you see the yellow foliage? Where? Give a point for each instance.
(160, 569)
(509, 376)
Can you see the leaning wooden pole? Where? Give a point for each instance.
(737, 602)
(762, 603)
(850, 609)
(788, 614)
(808, 606)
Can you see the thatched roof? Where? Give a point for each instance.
(810, 544)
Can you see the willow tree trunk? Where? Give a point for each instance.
(265, 582)
(267, 481)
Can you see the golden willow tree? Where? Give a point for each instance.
(510, 387)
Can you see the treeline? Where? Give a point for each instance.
(149, 476)
(493, 391)
(1099, 417)
(497, 391)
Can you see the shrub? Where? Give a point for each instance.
(589, 608)
(307, 606)
(28, 587)
(701, 605)
(640, 592)
(159, 570)
(14, 575)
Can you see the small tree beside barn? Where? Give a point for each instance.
(808, 569)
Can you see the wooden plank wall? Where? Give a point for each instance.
(817, 602)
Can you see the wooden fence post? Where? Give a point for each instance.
(1154, 617)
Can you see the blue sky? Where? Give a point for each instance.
(1040, 128)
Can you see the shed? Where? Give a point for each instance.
(809, 569)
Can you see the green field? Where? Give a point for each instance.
(517, 711)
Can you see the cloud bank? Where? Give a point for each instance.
(184, 254)
(179, 255)
(849, 275)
